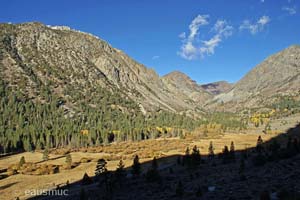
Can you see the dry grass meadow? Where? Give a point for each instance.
(15, 185)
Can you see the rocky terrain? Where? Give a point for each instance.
(187, 88)
(278, 75)
(217, 87)
(63, 89)
(34, 55)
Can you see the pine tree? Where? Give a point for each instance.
(21, 162)
(68, 160)
(211, 150)
(120, 172)
(225, 154)
(232, 151)
(196, 157)
(187, 157)
(45, 155)
(86, 180)
(259, 141)
(259, 145)
(136, 166)
(152, 173)
(101, 167)
(154, 164)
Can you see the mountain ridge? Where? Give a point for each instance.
(277, 75)
(63, 59)
(78, 54)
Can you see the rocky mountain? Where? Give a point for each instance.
(185, 87)
(79, 67)
(216, 88)
(34, 56)
(278, 75)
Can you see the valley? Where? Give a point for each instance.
(161, 148)
(71, 104)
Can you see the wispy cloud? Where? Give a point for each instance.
(256, 26)
(192, 48)
(290, 10)
(155, 57)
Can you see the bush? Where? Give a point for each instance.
(85, 160)
(11, 172)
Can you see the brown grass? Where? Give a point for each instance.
(35, 174)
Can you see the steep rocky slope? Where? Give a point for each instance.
(33, 56)
(278, 75)
(216, 88)
(186, 88)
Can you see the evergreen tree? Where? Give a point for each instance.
(101, 167)
(45, 155)
(211, 150)
(154, 164)
(225, 154)
(232, 151)
(152, 173)
(21, 162)
(259, 144)
(136, 166)
(86, 180)
(259, 141)
(68, 160)
(120, 172)
(187, 157)
(196, 157)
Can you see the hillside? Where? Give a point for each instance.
(185, 87)
(58, 83)
(61, 87)
(275, 77)
(216, 88)
(64, 60)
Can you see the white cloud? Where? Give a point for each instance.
(263, 20)
(209, 46)
(200, 20)
(221, 27)
(290, 10)
(155, 57)
(257, 26)
(192, 48)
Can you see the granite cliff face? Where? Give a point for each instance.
(34, 55)
(278, 75)
(76, 66)
(217, 87)
(185, 87)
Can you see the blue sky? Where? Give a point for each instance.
(209, 40)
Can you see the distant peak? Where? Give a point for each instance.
(176, 74)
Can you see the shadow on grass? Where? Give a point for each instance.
(277, 174)
(8, 185)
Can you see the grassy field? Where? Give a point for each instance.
(16, 185)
